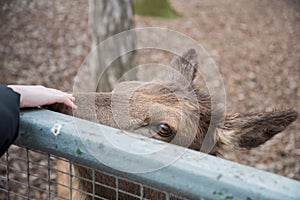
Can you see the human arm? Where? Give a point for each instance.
(9, 117)
(14, 97)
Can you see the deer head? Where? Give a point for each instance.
(176, 110)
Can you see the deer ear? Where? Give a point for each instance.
(251, 130)
(185, 66)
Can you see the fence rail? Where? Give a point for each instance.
(194, 175)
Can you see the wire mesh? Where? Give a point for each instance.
(28, 174)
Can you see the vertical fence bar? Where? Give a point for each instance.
(7, 175)
(28, 174)
(71, 176)
(49, 177)
(117, 187)
(142, 191)
(167, 196)
(93, 183)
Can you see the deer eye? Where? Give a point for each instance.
(164, 130)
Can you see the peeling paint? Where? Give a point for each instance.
(56, 129)
(79, 152)
(101, 146)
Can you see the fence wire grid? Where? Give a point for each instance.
(28, 174)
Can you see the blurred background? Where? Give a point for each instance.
(255, 44)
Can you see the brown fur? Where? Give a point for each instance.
(182, 106)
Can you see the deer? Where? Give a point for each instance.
(158, 107)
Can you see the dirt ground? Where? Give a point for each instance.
(255, 44)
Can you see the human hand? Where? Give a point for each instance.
(33, 96)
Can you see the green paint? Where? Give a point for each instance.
(79, 152)
(155, 8)
(89, 142)
(101, 146)
(248, 198)
(229, 198)
(218, 193)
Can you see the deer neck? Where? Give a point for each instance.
(96, 107)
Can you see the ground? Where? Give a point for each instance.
(255, 44)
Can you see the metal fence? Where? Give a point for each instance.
(27, 174)
(53, 137)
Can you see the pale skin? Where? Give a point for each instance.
(36, 95)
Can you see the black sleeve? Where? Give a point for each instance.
(9, 117)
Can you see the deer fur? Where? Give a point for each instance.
(170, 101)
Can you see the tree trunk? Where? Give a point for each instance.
(107, 18)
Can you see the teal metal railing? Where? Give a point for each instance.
(193, 175)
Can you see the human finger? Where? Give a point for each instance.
(66, 99)
(71, 97)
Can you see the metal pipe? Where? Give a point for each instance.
(193, 175)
